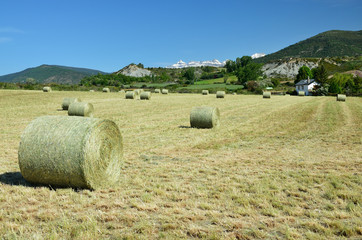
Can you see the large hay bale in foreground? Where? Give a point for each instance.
(130, 95)
(107, 90)
(81, 109)
(67, 101)
(164, 91)
(157, 90)
(266, 94)
(205, 92)
(341, 97)
(204, 117)
(220, 94)
(145, 96)
(301, 93)
(71, 152)
(47, 89)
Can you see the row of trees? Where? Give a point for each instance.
(339, 83)
(244, 69)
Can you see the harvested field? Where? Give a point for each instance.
(289, 167)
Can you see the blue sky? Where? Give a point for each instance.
(109, 34)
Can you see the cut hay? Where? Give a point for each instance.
(145, 96)
(341, 97)
(157, 90)
(47, 89)
(204, 117)
(266, 94)
(107, 90)
(81, 109)
(220, 94)
(205, 92)
(130, 95)
(67, 101)
(164, 91)
(301, 93)
(71, 152)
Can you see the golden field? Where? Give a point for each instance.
(281, 168)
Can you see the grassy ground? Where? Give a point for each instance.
(286, 167)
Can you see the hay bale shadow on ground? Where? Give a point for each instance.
(14, 178)
(184, 126)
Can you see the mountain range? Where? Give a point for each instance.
(51, 74)
(212, 63)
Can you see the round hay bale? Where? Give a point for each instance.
(164, 91)
(122, 91)
(145, 96)
(130, 95)
(341, 97)
(81, 109)
(205, 92)
(67, 101)
(204, 117)
(220, 94)
(91, 90)
(47, 89)
(71, 152)
(107, 90)
(137, 92)
(157, 90)
(266, 94)
(301, 93)
(234, 93)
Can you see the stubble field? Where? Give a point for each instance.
(286, 167)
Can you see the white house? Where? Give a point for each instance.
(305, 85)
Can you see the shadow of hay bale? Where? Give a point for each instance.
(14, 178)
(184, 127)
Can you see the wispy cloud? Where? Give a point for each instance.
(5, 39)
(10, 30)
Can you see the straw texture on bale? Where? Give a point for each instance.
(67, 101)
(47, 89)
(106, 90)
(266, 94)
(341, 97)
(71, 152)
(164, 91)
(220, 94)
(301, 93)
(145, 96)
(81, 109)
(130, 95)
(204, 117)
(157, 90)
(205, 92)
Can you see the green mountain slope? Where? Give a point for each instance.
(50, 74)
(327, 44)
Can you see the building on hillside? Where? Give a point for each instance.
(306, 85)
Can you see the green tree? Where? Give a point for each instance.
(189, 74)
(30, 81)
(230, 66)
(303, 73)
(321, 75)
(251, 71)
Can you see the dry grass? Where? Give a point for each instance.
(288, 168)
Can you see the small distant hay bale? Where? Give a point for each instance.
(71, 152)
(130, 95)
(164, 91)
(91, 90)
(220, 94)
(67, 101)
(157, 90)
(81, 109)
(205, 92)
(266, 94)
(341, 97)
(204, 117)
(145, 96)
(122, 91)
(234, 93)
(301, 93)
(137, 92)
(47, 89)
(107, 90)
